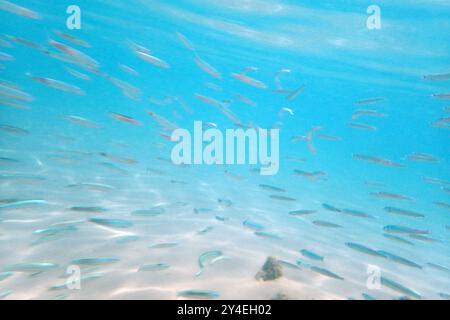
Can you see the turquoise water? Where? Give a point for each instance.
(391, 169)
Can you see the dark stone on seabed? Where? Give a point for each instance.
(271, 270)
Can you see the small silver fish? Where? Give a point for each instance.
(295, 93)
(417, 156)
(398, 239)
(154, 267)
(326, 273)
(128, 70)
(88, 209)
(363, 249)
(398, 287)
(72, 39)
(153, 60)
(213, 254)
(441, 96)
(13, 130)
(399, 259)
(311, 255)
(163, 245)
(5, 275)
(56, 84)
(404, 212)
(252, 225)
(81, 121)
(199, 294)
(326, 224)
(32, 267)
(363, 112)
(125, 119)
(245, 100)
(205, 230)
(207, 68)
(150, 212)
(442, 204)
(377, 160)
(370, 101)
(91, 186)
(185, 41)
(356, 213)
(301, 212)
(437, 77)
(268, 235)
(271, 188)
(22, 203)
(114, 223)
(250, 81)
(402, 229)
(391, 196)
(362, 126)
(282, 198)
(78, 74)
(95, 261)
(330, 207)
(21, 11)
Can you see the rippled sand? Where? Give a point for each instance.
(233, 279)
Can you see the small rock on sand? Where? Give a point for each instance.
(271, 270)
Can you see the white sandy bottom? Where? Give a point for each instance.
(233, 278)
